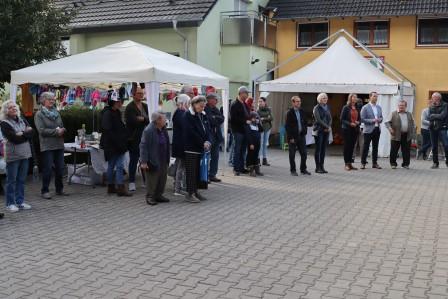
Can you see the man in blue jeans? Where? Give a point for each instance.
(216, 119)
(438, 128)
(239, 116)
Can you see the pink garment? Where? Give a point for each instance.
(96, 97)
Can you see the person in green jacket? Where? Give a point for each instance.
(266, 122)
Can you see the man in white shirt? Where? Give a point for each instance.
(371, 117)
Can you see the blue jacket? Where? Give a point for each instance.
(196, 131)
(178, 138)
(368, 118)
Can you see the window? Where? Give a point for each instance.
(375, 33)
(311, 33)
(65, 41)
(433, 31)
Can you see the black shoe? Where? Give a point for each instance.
(294, 173)
(305, 172)
(62, 193)
(215, 180)
(323, 169)
(320, 171)
(435, 166)
(265, 162)
(258, 172)
(244, 171)
(200, 197)
(151, 201)
(162, 198)
(2, 215)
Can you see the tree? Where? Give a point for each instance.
(30, 33)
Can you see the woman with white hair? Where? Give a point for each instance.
(196, 135)
(182, 102)
(51, 131)
(321, 130)
(17, 135)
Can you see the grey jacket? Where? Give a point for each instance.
(48, 138)
(149, 147)
(368, 118)
(17, 147)
(425, 119)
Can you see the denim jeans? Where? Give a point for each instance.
(231, 147)
(426, 142)
(16, 173)
(134, 156)
(436, 137)
(321, 146)
(179, 177)
(49, 159)
(214, 160)
(264, 144)
(116, 162)
(240, 145)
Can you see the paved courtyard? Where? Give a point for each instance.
(365, 234)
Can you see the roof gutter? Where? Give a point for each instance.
(183, 36)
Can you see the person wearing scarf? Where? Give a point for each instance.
(51, 132)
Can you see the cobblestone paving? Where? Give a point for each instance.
(365, 234)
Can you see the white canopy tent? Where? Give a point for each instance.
(122, 62)
(342, 69)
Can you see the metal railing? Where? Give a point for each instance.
(247, 28)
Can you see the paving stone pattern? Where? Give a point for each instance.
(365, 234)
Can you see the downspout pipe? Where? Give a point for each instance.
(183, 36)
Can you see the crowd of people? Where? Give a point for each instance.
(198, 133)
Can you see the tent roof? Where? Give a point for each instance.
(340, 69)
(126, 61)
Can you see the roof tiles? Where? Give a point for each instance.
(295, 9)
(100, 13)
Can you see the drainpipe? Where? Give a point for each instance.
(184, 37)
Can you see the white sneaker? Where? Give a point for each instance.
(131, 187)
(24, 206)
(12, 208)
(178, 194)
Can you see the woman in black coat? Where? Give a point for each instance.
(178, 150)
(196, 141)
(350, 121)
(114, 139)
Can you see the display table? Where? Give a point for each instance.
(310, 137)
(95, 160)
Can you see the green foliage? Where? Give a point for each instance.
(30, 33)
(74, 117)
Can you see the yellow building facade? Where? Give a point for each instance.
(425, 66)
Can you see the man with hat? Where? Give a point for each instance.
(239, 116)
(216, 119)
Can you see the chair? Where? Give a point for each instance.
(283, 145)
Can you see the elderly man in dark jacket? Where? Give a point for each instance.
(438, 127)
(239, 115)
(296, 129)
(155, 157)
(215, 119)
